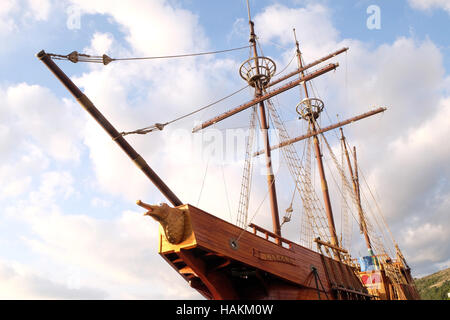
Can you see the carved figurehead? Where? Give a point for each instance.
(171, 219)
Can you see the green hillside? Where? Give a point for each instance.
(435, 286)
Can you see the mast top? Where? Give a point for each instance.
(248, 11)
(310, 108)
(257, 71)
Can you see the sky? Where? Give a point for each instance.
(69, 226)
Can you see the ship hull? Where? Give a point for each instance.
(222, 261)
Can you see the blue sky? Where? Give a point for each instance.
(69, 227)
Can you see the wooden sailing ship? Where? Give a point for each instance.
(222, 260)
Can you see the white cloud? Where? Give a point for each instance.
(426, 234)
(53, 183)
(100, 203)
(23, 283)
(430, 4)
(14, 14)
(277, 21)
(39, 9)
(35, 127)
(17, 172)
(239, 30)
(16, 187)
(421, 243)
(147, 23)
(396, 146)
(52, 124)
(78, 253)
(7, 24)
(101, 43)
(107, 254)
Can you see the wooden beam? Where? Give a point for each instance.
(299, 70)
(216, 282)
(266, 96)
(329, 245)
(109, 128)
(330, 127)
(370, 296)
(269, 234)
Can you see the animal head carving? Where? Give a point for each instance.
(171, 219)
(159, 213)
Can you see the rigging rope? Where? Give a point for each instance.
(244, 196)
(104, 59)
(81, 57)
(226, 193)
(160, 126)
(284, 69)
(203, 182)
(311, 203)
(256, 211)
(376, 241)
(380, 213)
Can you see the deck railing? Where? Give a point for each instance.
(270, 235)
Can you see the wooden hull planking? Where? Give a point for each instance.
(223, 261)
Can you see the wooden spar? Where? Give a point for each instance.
(266, 96)
(326, 244)
(264, 129)
(302, 69)
(300, 64)
(102, 121)
(328, 128)
(355, 183)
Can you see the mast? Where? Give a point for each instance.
(258, 71)
(311, 111)
(358, 194)
(308, 66)
(258, 82)
(355, 182)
